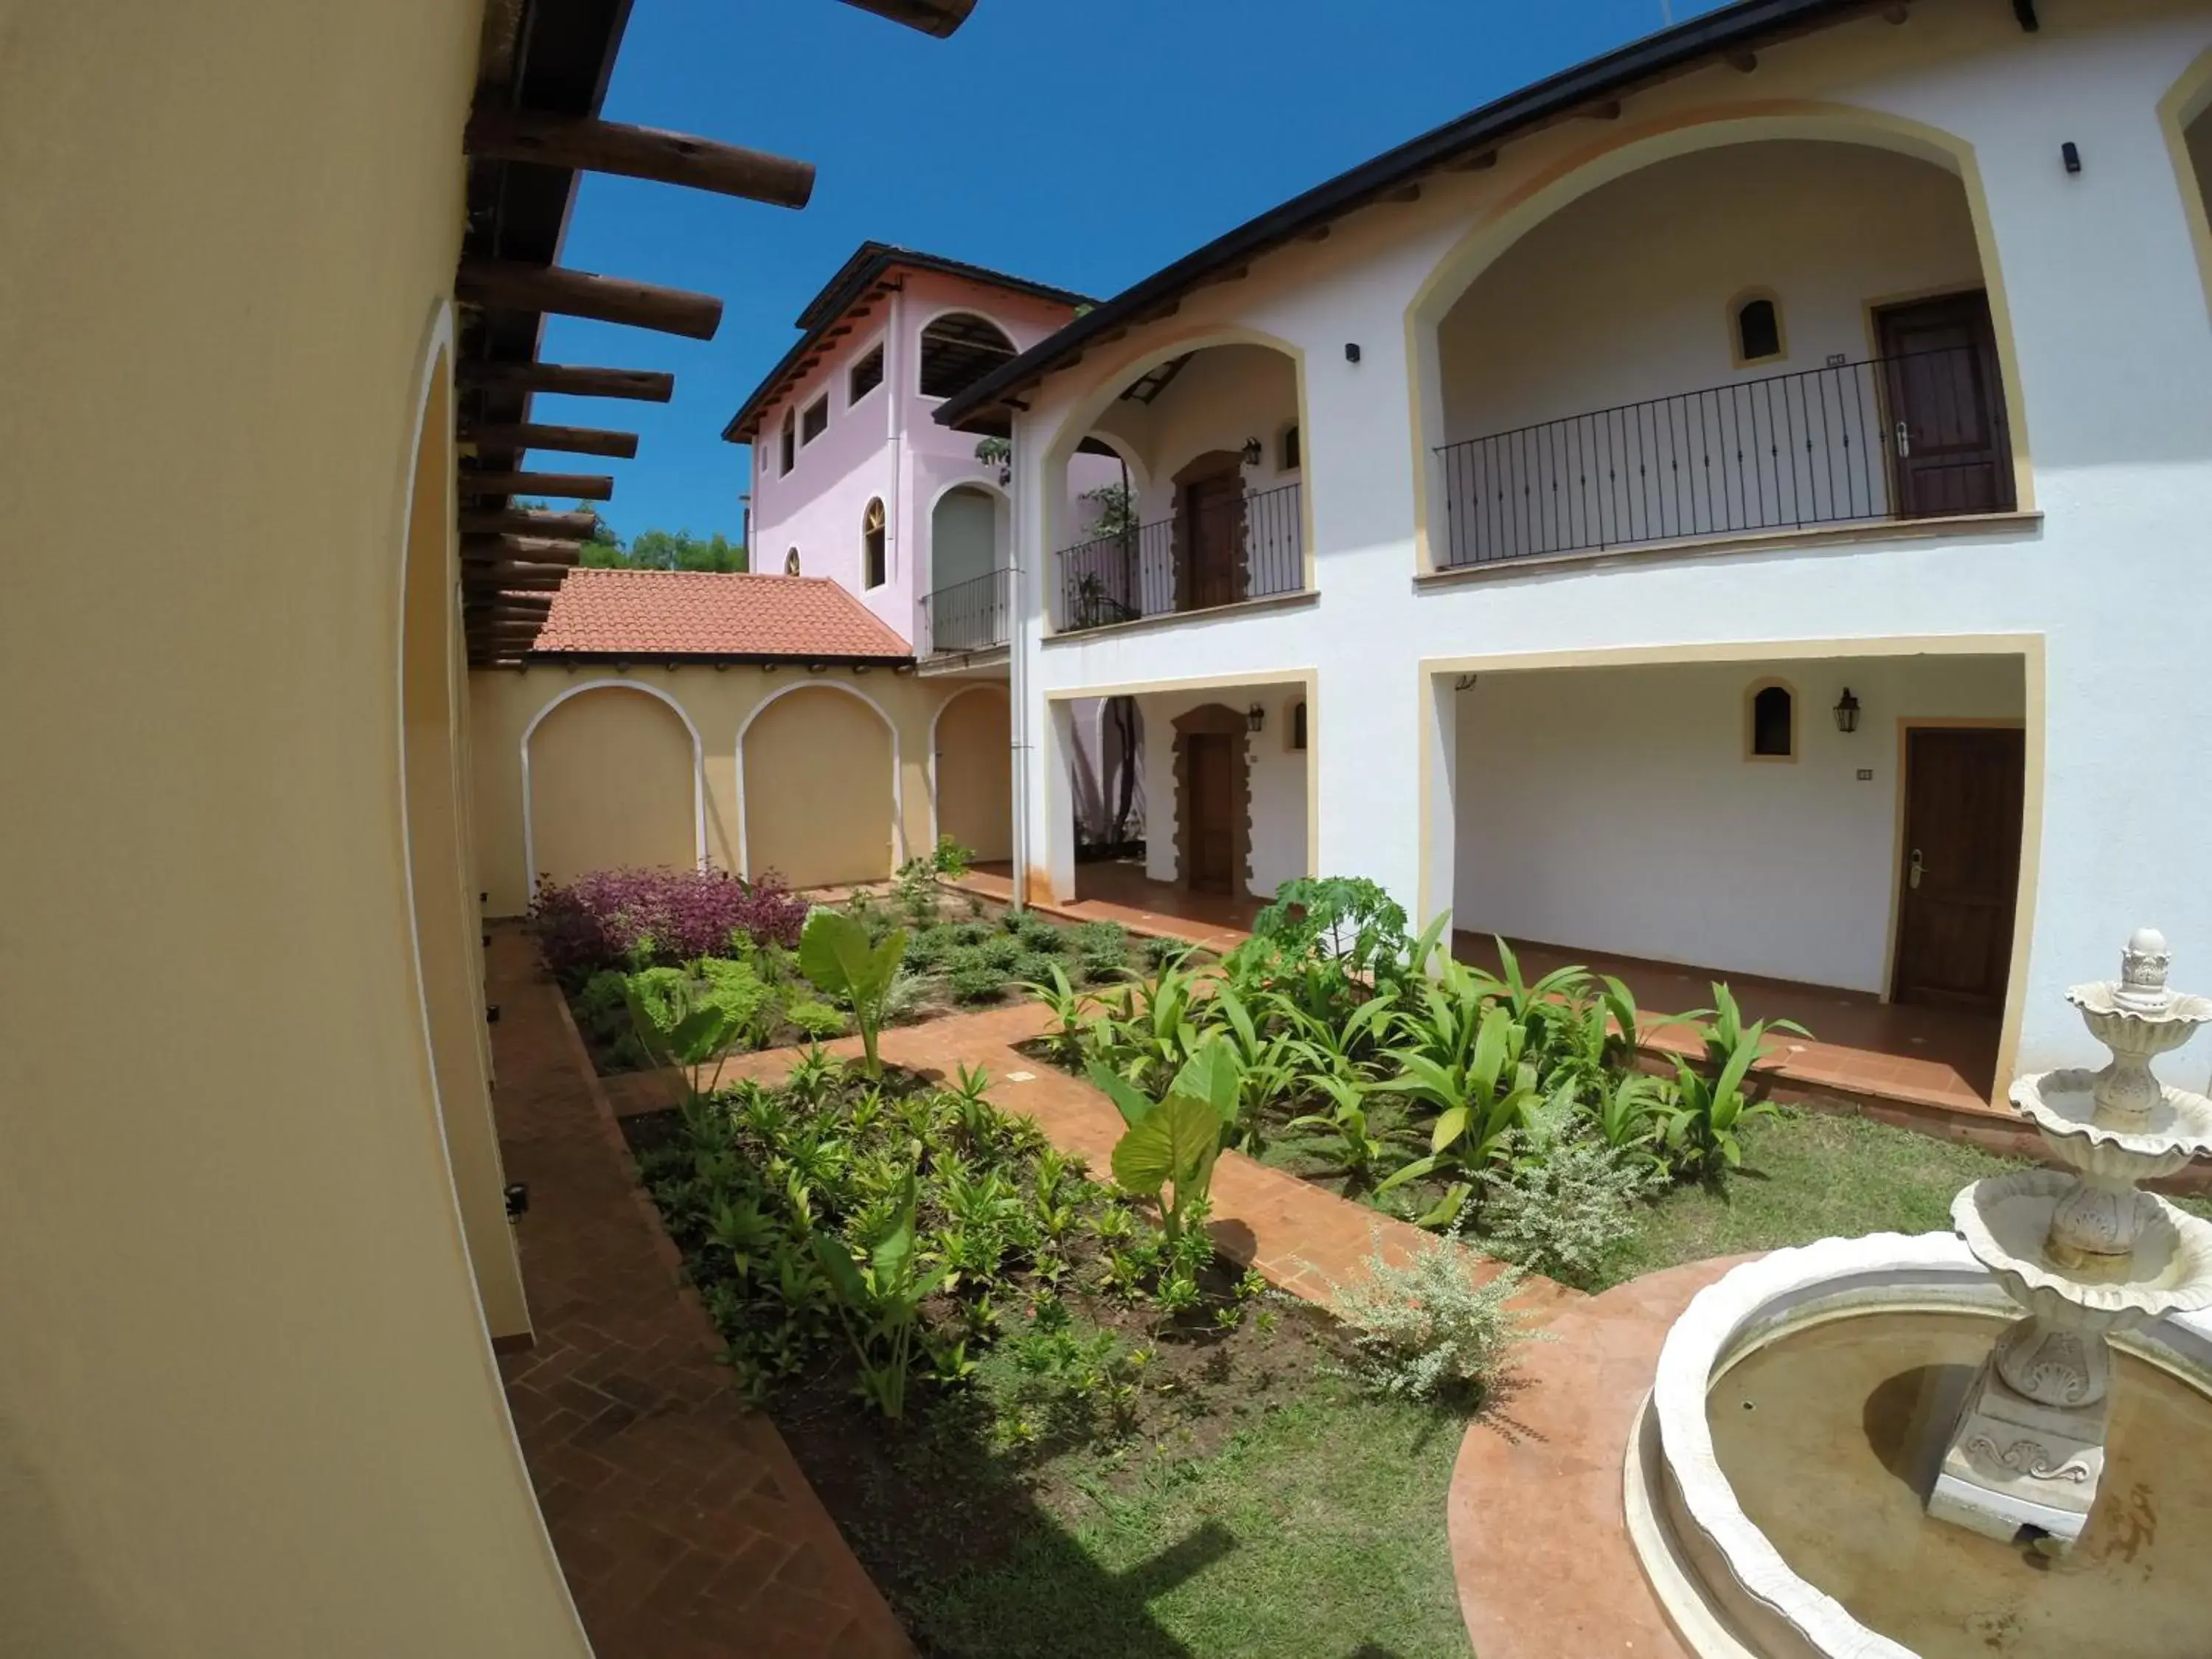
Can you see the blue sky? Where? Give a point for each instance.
(1085, 146)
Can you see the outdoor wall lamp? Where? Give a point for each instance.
(1847, 712)
(1254, 718)
(1253, 451)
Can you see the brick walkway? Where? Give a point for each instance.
(685, 1526)
(1298, 1236)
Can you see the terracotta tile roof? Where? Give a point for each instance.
(698, 613)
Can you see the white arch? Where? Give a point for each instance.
(989, 488)
(435, 371)
(898, 795)
(698, 768)
(936, 831)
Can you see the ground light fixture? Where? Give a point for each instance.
(1254, 718)
(1847, 712)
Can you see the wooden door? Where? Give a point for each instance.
(1963, 793)
(1209, 798)
(1950, 447)
(1213, 537)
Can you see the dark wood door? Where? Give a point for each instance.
(1963, 791)
(1213, 535)
(1950, 449)
(1209, 798)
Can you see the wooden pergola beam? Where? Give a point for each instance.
(644, 385)
(500, 570)
(571, 440)
(668, 158)
(515, 285)
(477, 549)
(936, 17)
(577, 486)
(524, 521)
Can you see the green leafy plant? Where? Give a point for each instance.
(1481, 1096)
(1706, 1116)
(1566, 1211)
(1425, 1328)
(817, 1022)
(836, 956)
(1070, 1010)
(976, 981)
(680, 1026)
(1361, 1149)
(1169, 1150)
(880, 1293)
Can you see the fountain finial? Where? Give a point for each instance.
(2143, 967)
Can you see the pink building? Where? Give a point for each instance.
(855, 480)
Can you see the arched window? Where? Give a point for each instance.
(1288, 456)
(959, 349)
(872, 545)
(1770, 719)
(1298, 717)
(1757, 319)
(790, 442)
(791, 562)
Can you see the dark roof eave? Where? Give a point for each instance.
(870, 263)
(1655, 56)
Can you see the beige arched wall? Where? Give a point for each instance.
(612, 784)
(975, 774)
(818, 796)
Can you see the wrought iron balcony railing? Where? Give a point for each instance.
(1887, 438)
(1232, 548)
(969, 616)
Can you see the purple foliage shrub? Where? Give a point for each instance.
(610, 918)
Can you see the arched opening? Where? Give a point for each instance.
(967, 605)
(448, 955)
(1622, 369)
(611, 772)
(971, 770)
(1771, 721)
(1178, 488)
(818, 825)
(791, 562)
(872, 559)
(959, 349)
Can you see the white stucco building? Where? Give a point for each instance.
(1519, 508)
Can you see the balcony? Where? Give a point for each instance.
(1921, 434)
(967, 618)
(1221, 548)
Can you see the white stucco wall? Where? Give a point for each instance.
(1613, 810)
(1278, 777)
(2101, 298)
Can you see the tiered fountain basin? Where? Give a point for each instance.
(1775, 1483)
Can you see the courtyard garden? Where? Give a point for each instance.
(1046, 1413)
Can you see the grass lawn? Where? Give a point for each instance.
(1317, 1531)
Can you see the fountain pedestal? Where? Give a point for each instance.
(2086, 1254)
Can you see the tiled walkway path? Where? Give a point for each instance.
(685, 1526)
(1299, 1237)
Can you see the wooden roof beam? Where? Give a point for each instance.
(577, 486)
(522, 521)
(643, 385)
(526, 550)
(936, 17)
(668, 158)
(514, 285)
(573, 440)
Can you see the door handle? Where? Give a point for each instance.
(1903, 439)
(1913, 876)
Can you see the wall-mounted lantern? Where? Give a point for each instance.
(1253, 451)
(1847, 712)
(1254, 718)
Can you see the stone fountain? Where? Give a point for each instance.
(2086, 1254)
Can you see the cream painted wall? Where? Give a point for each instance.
(1613, 810)
(1278, 779)
(247, 1406)
(503, 702)
(818, 796)
(974, 773)
(1223, 396)
(1564, 324)
(611, 784)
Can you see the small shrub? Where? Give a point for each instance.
(603, 1007)
(817, 1022)
(1567, 1212)
(1034, 967)
(1037, 932)
(966, 934)
(666, 995)
(1159, 952)
(1001, 953)
(976, 981)
(927, 950)
(1099, 938)
(1427, 1330)
(1098, 966)
(617, 918)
